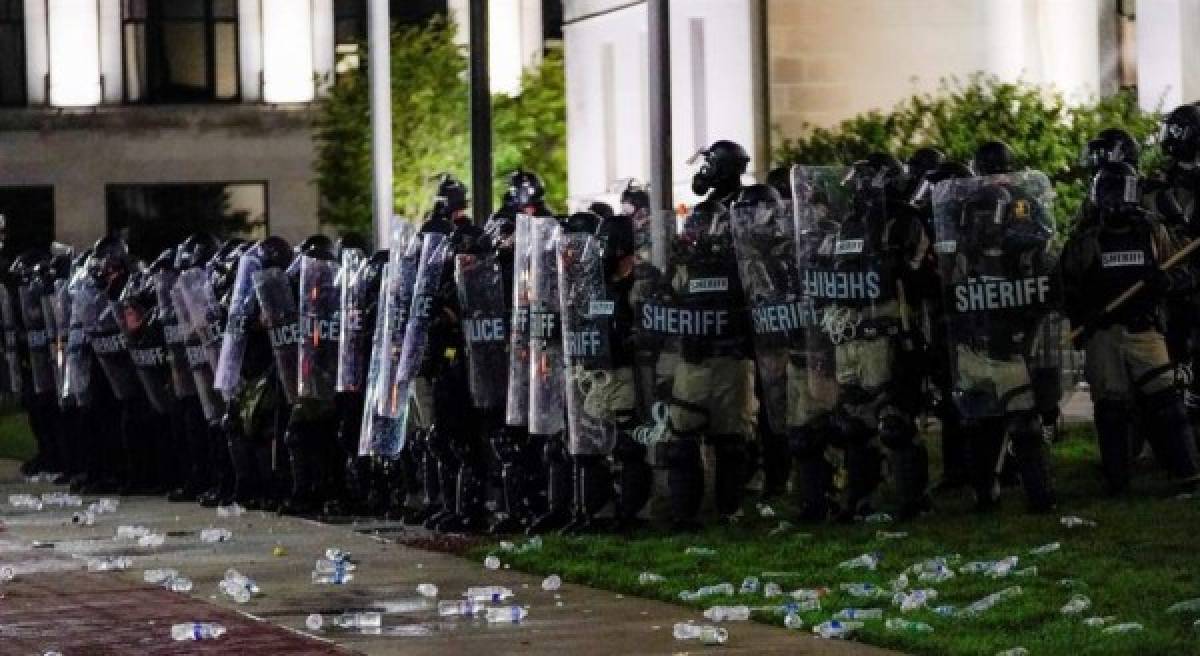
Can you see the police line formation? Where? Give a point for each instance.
(799, 328)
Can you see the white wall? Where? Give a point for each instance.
(514, 38)
(607, 110)
(1168, 53)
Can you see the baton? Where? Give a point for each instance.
(1137, 286)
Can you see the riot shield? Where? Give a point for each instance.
(77, 376)
(56, 307)
(587, 311)
(204, 313)
(243, 307)
(764, 240)
(174, 334)
(107, 342)
(148, 351)
(480, 285)
(995, 253)
(656, 350)
(435, 252)
(820, 204)
(320, 329)
(37, 340)
(380, 435)
(198, 362)
(277, 299)
(398, 294)
(12, 341)
(547, 366)
(517, 402)
(354, 344)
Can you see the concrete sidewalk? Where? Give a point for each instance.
(575, 619)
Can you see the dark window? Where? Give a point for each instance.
(180, 50)
(12, 53)
(552, 19)
(155, 217)
(28, 218)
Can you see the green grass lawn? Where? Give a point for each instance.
(1139, 560)
(16, 440)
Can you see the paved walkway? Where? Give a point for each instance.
(53, 603)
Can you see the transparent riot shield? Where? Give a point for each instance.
(381, 435)
(174, 334)
(198, 362)
(37, 339)
(547, 365)
(435, 253)
(764, 239)
(320, 327)
(517, 402)
(587, 312)
(656, 347)
(148, 352)
(12, 341)
(56, 307)
(204, 313)
(354, 344)
(820, 204)
(107, 342)
(479, 280)
(391, 397)
(243, 307)
(77, 377)
(994, 245)
(277, 299)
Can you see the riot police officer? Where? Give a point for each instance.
(1127, 360)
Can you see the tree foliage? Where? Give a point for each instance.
(1043, 129)
(430, 128)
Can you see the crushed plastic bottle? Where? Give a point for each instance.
(361, 620)
(488, 593)
(400, 606)
(1099, 621)
(61, 500)
(1071, 521)
(86, 518)
(507, 545)
(859, 614)
(1124, 627)
(907, 626)
(491, 562)
(7, 574)
(836, 629)
(104, 505)
(427, 590)
(900, 582)
(1186, 606)
(552, 583)
(878, 518)
(197, 631)
(502, 614)
(864, 590)
(460, 607)
(750, 585)
(334, 553)
(24, 501)
(112, 564)
(650, 578)
(772, 589)
(707, 591)
(700, 551)
(178, 584)
(1015, 651)
(239, 593)
(127, 532)
(868, 560)
(727, 613)
(314, 622)
(152, 540)
(326, 566)
(939, 575)
(891, 535)
(337, 577)
(232, 510)
(806, 605)
(987, 603)
(159, 576)
(945, 610)
(914, 599)
(793, 621)
(215, 535)
(1076, 605)
(764, 510)
(1045, 549)
(705, 635)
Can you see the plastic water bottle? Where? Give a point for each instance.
(908, 626)
(1099, 621)
(859, 614)
(708, 591)
(152, 540)
(427, 589)
(24, 501)
(333, 553)
(237, 577)
(807, 605)
(1045, 549)
(1026, 573)
(105, 505)
(900, 582)
(772, 589)
(836, 629)
(1072, 521)
(127, 532)
(363, 620)
(552, 583)
(86, 518)
(1002, 568)
(459, 608)
(878, 518)
(801, 594)
(326, 566)
(502, 614)
(114, 564)
(650, 578)
(941, 574)
(337, 577)
(7, 573)
(395, 606)
(215, 535)
(178, 584)
(488, 593)
(1015, 651)
(239, 593)
(1124, 627)
(868, 560)
(749, 585)
(793, 621)
(197, 631)
(491, 562)
(862, 590)
(1075, 605)
(1188, 606)
(700, 551)
(232, 510)
(727, 613)
(314, 622)
(705, 635)
(945, 610)
(914, 599)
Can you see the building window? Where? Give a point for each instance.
(155, 217)
(349, 33)
(180, 50)
(28, 218)
(12, 52)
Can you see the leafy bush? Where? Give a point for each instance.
(430, 128)
(1045, 131)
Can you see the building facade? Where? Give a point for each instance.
(757, 71)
